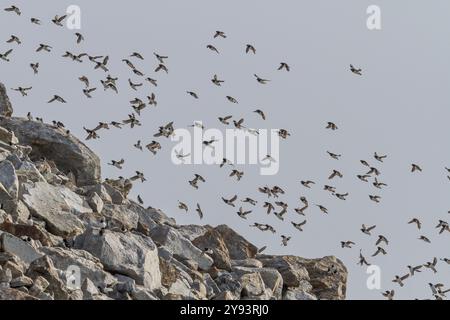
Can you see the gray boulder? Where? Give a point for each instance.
(90, 266)
(129, 254)
(13, 245)
(238, 247)
(8, 179)
(170, 238)
(69, 154)
(6, 109)
(57, 206)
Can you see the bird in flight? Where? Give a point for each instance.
(80, 37)
(4, 56)
(347, 244)
(220, 34)
(22, 90)
(230, 201)
(243, 214)
(355, 70)
(57, 98)
(284, 65)
(299, 225)
(15, 39)
(212, 48)
(58, 20)
(417, 222)
(366, 230)
(182, 206)
(261, 80)
(331, 125)
(285, 240)
(14, 9)
(217, 81)
(389, 294)
(250, 48)
(199, 211)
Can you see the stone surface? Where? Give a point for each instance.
(292, 274)
(178, 245)
(57, 206)
(90, 267)
(6, 109)
(14, 294)
(96, 202)
(8, 180)
(238, 247)
(296, 294)
(125, 253)
(18, 247)
(213, 240)
(69, 154)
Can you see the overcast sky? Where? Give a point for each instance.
(399, 107)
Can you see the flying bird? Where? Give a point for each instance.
(355, 70)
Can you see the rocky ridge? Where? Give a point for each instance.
(66, 234)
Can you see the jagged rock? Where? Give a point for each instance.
(22, 281)
(28, 171)
(143, 294)
(225, 295)
(297, 294)
(249, 263)
(211, 287)
(69, 154)
(328, 276)
(158, 216)
(96, 202)
(100, 190)
(226, 282)
(252, 284)
(18, 247)
(14, 294)
(8, 180)
(90, 266)
(57, 206)
(44, 267)
(35, 232)
(191, 264)
(170, 238)
(271, 277)
(116, 196)
(125, 284)
(199, 288)
(192, 231)
(125, 253)
(238, 247)
(213, 240)
(17, 268)
(8, 136)
(90, 290)
(119, 216)
(292, 274)
(40, 284)
(6, 109)
(172, 269)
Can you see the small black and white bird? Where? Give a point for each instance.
(285, 240)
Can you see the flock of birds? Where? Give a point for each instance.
(272, 205)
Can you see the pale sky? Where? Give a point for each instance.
(399, 107)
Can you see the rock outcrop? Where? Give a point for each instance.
(6, 109)
(65, 234)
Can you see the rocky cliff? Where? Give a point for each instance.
(66, 234)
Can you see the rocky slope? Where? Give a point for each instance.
(54, 243)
